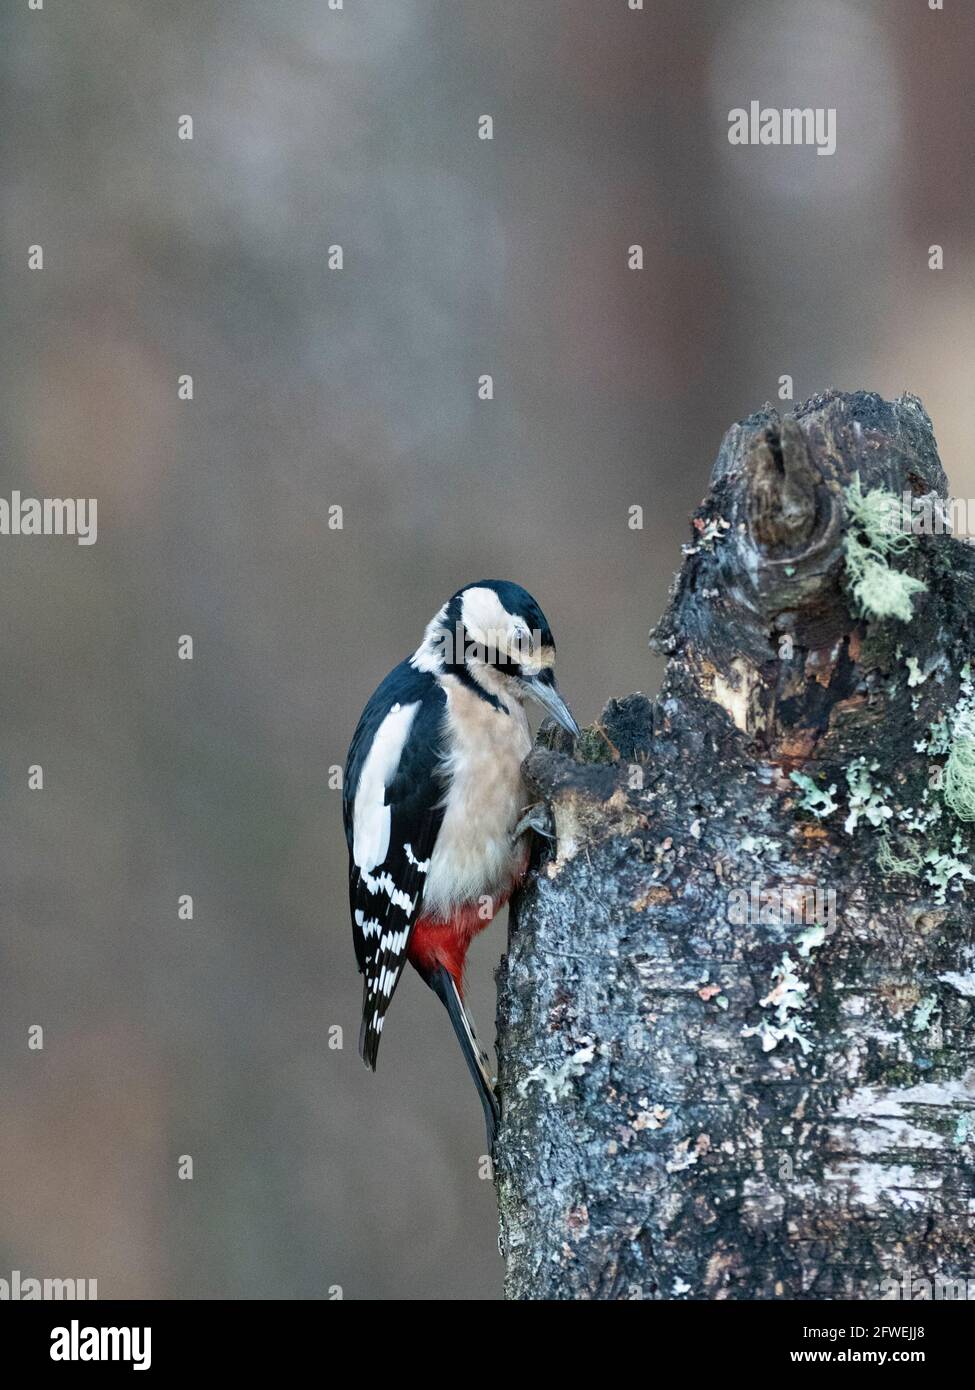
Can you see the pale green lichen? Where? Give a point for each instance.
(808, 940)
(879, 515)
(557, 1081)
(943, 870)
(921, 1017)
(915, 676)
(865, 800)
(875, 534)
(786, 997)
(883, 592)
(959, 772)
(937, 741)
(910, 863)
(916, 820)
(959, 778)
(954, 739)
(951, 738)
(815, 799)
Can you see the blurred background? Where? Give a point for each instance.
(357, 388)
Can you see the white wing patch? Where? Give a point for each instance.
(420, 866)
(395, 941)
(370, 926)
(371, 819)
(384, 884)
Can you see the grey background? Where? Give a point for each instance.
(358, 388)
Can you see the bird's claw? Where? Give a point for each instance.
(537, 818)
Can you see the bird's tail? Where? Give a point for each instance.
(443, 983)
(370, 1030)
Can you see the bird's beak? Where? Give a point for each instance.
(544, 690)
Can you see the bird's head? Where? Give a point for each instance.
(494, 634)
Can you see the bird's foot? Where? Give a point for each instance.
(537, 818)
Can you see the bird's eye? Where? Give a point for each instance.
(523, 640)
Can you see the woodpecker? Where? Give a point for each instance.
(435, 807)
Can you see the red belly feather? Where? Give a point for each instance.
(445, 942)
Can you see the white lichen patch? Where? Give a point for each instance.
(710, 530)
(557, 1081)
(946, 872)
(865, 801)
(808, 940)
(951, 789)
(915, 676)
(919, 820)
(936, 742)
(921, 1018)
(817, 800)
(786, 998)
(687, 1153)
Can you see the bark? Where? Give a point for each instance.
(698, 1106)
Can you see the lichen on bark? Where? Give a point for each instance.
(700, 1102)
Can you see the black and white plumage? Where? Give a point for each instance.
(393, 810)
(433, 798)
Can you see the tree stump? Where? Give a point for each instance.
(735, 1016)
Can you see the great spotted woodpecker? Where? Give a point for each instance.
(433, 802)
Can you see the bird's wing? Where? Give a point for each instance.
(393, 812)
